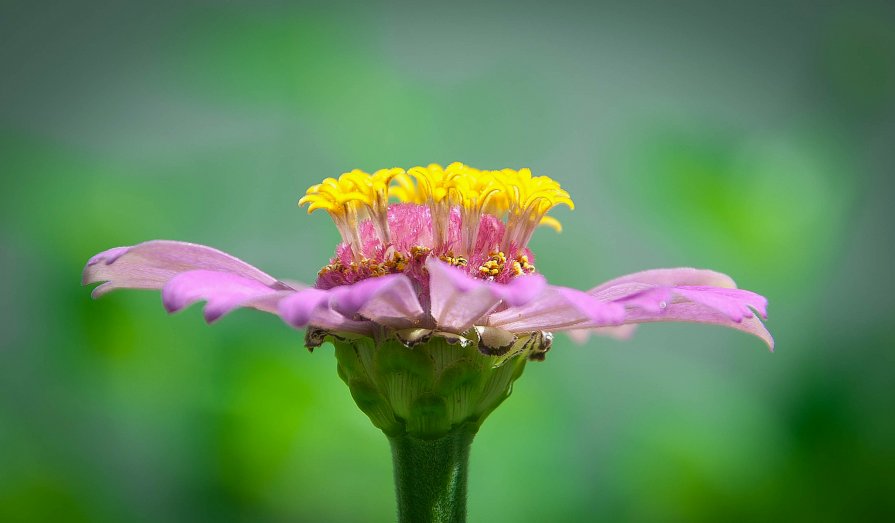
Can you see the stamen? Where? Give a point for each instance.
(355, 196)
(530, 200)
(522, 266)
(456, 261)
(478, 220)
(419, 252)
(397, 263)
(436, 188)
(494, 265)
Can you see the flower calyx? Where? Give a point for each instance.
(424, 383)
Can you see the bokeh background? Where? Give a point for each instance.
(755, 138)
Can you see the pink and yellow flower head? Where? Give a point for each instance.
(479, 221)
(432, 251)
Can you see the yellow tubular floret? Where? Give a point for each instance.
(530, 198)
(332, 195)
(506, 188)
(516, 196)
(403, 189)
(356, 186)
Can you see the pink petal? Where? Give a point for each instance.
(298, 309)
(222, 292)
(559, 308)
(550, 311)
(311, 307)
(650, 296)
(698, 313)
(736, 304)
(651, 299)
(387, 300)
(595, 310)
(152, 264)
(733, 302)
(671, 278)
(459, 301)
(698, 304)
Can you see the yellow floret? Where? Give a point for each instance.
(517, 197)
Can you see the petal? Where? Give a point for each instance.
(671, 278)
(388, 300)
(687, 295)
(298, 309)
(736, 304)
(698, 313)
(152, 264)
(458, 301)
(311, 307)
(596, 310)
(559, 308)
(222, 292)
(699, 304)
(733, 302)
(550, 311)
(651, 299)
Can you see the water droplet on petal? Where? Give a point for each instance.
(662, 304)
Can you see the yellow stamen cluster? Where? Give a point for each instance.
(522, 198)
(367, 268)
(517, 196)
(456, 261)
(398, 262)
(522, 266)
(494, 192)
(494, 265)
(419, 252)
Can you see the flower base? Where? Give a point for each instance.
(430, 388)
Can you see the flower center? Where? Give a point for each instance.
(474, 219)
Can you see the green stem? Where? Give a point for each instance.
(430, 476)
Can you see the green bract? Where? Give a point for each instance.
(435, 383)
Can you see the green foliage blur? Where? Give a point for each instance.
(752, 138)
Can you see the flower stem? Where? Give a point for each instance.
(430, 476)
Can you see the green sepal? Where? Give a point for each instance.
(430, 388)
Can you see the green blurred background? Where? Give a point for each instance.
(752, 138)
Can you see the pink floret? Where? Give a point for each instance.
(410, 226)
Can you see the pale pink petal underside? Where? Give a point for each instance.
(559, 308)
(388, 300)
(686, 295)
(222, 292)
(152, 264)
(697, 313)
(312, 307)
(671, 278)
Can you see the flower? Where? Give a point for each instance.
(445, 271)
(448, 258)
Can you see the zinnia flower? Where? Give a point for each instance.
(433, 305)
(451, 258)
